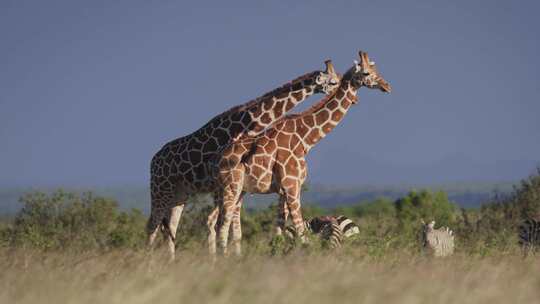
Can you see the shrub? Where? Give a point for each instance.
(63, 219)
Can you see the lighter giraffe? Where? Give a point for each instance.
(274, 162)
(180, 168)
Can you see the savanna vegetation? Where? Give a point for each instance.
(68, 247)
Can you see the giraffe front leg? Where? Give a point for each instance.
(237, 227)
(230, 198)
(172, 226)
(293, 204)
(211, 223)
(283, 214)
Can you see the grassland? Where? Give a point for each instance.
(127, 276)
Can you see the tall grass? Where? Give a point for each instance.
(301, 277)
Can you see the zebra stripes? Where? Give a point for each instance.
(529, 235)
(438, 242)
(331, 229)
(348, 227)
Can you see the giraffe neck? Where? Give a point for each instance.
(273, 105)
(326, 115)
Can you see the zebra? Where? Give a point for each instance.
(529, 235)
(331, 229)
(437, 242)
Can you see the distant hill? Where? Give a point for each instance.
(468, 195)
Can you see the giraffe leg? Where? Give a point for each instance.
(293, 204)
(154, 224)
(172, 227)
(283, 214)
(229, 202)
(237, 227)
(211, 224)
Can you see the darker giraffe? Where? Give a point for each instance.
(274, 162)
(180, 168)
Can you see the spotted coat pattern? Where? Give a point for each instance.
(180, 168)
(274, 162)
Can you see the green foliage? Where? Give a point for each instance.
(68, 220)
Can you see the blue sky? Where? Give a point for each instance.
(89, 90)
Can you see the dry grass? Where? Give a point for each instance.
(136, 277)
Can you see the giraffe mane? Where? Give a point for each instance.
(277, 91)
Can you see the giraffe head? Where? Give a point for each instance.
(328, 81)
(364, 73)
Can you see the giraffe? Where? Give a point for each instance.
(274, 162)
(179, 169)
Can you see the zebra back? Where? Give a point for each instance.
(328, 229)
(529, 233)
(439, 242)
(348, 227)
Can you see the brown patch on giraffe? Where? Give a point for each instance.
(288, 106)
(255, 127)
(293, 141)
(308, 120)
(301, 128)
(195, 156)
(289, 126)
(278, 109)
(298, 95)
(268, 105)
(292, 167)
(327, 127)
(283, 140)
(288, 183)
(299, 151)
(282, 95)
(235, 129)
(351, 96)
(246, 119)
(270, 146)
(256, 171)
(312, 136)
(345, 103)
(265, 119)
(256, 112)
(189, 176)
(321, 117)
(239, 149)
(199, 172)
(337, 115)
(166, 170)
(332, 105)
(297, 86)
(281, 155)
(226, 124)
(339, 94)
(183, 167)
(210, 146)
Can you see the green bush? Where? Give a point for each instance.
(62, 220)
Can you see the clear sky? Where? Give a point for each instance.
(90, 90)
